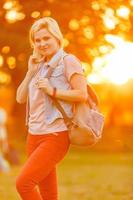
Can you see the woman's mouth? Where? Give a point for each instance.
(44, 49)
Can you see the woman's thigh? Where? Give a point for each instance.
(44, 154)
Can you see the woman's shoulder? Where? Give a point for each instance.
(71, 59)
(72, 65)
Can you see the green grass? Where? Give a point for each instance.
(85, 176)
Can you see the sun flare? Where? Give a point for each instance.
(116, 66)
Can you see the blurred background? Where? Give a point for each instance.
(100, 34)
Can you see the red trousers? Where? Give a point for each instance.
(37, 180)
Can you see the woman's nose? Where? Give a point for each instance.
(43, 43)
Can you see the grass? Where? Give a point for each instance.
(83, 175)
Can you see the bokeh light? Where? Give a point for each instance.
(109, 20)
(46, 13)
(5, 78)
(3, 116)
(13, 16)
(5, 49)
(104, 49)
(1, 60)
(95, 5)
(131, 2)
(65, 42)
(84, 21)
(35, 14)
(8, 5)
(11, 61)
(74, 24)
(88, 32)
(123, 12)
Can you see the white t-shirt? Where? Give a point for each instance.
(44, 117)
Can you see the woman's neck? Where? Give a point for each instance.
(48, 58)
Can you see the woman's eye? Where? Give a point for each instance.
(37, 40)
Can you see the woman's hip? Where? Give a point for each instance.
(59, 141)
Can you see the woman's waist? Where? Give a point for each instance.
(42, 127)
(47, 116)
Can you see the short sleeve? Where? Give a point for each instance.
(72, 66)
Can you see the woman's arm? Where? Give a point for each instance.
(75, 76)
(77, 94)
(22, 90)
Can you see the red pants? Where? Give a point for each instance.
(44, 152)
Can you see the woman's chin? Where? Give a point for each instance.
(45, 53)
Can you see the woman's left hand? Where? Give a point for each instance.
(43, 83)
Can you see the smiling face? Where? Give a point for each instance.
(45, 43)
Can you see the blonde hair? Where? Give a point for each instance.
(50, 24)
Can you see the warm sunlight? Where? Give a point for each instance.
(116, 66)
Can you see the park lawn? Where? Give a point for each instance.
(84, 175)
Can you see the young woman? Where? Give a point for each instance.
(48, 139)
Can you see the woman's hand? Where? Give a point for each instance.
(32, 65)
(43, 83)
